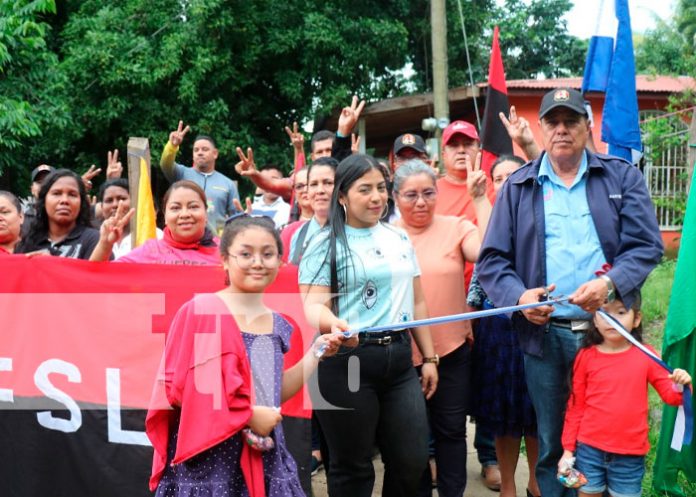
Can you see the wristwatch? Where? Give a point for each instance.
(611, 290)
(432, 360)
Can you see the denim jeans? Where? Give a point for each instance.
(447, 410)
(484, 442)
(621, 474)
(548, 381)
(387, 409)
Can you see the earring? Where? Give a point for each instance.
(345, 212)
(227, 278)
(385, 213)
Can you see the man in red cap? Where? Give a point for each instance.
(460, 146)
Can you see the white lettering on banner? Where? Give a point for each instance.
(6, 394)
(45, 418)
(113, 410)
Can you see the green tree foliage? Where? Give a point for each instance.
(686, 21)
(82, 81)
(664, 50)
(535, 42)
(29, 81)
(238, 70)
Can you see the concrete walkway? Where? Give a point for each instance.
(474, 486)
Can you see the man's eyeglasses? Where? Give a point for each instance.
(411, 197)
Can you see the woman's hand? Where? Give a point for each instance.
(264, 419)
(429, 379)
(341, 325)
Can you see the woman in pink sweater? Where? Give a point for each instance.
(187, 239)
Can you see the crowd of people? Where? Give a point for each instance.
(381, 243)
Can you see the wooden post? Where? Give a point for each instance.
(363, 136)
(438, 23)
(137, 148)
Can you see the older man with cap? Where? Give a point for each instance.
(558, 223)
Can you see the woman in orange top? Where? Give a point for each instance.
(443, 244)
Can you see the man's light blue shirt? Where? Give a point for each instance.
(573, 251)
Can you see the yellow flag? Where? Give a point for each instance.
(145, 213)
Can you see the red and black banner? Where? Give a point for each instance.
(80, 346)
(495, 140)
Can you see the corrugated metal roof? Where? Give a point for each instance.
(644, 83)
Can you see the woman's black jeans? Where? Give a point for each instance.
(447, 409)
(385, 407)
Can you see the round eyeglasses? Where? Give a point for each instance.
(411, 197)
(269, 260)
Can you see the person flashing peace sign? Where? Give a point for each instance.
(219, 189)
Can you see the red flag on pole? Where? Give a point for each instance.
(495, 140)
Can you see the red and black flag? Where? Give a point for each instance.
(495, 140)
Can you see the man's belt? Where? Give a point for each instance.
(572, 324)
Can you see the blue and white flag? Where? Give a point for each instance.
(610, 68)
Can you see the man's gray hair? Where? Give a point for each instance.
(410, 168)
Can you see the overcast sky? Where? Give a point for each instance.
(581, 19)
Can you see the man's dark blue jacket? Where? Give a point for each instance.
(513, 254)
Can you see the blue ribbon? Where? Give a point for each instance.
(686, 398)
(465, 316)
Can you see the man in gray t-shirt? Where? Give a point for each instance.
(219, 189)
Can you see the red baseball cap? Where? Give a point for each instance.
(459, 127)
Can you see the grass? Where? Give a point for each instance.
(656, 293)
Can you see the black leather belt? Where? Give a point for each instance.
(381, 337)
(574, 325)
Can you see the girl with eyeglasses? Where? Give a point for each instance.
(228, 348)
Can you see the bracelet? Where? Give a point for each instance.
(611, 290)
(432, 360)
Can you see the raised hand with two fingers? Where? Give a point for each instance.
(111, 230)
(176, 137)
(296, 137)
(114, 168)
(246, 165)
(476, 181)
(90, 174)
(349, 116)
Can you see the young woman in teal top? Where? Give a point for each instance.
(369, 394)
